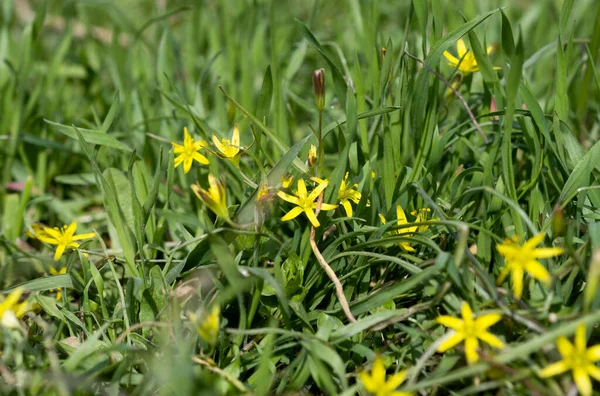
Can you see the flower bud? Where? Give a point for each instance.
(312, 155)
(318, 78)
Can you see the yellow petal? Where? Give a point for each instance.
(287, 197)
(534, 241)
(378, 371)
(553, 369)
(484, 321)
(325, 206)
(70, 231)
(220, 146)
(292, 214)
(582, 380)
(235, 137)
(564, 346)
(593, 370)
(395, 380)
(517, 281)
(505, 271)
(187, 164)
(491, 339)
(368, 382)
(453, 61)
(177, 148)
(471, 346)
(547, 252)
(60, 249)
(452, 340)
(200, 158)
(83, 236)
(538, 271)
(450, 321)
(302, 193)
(383, 220)
(580, 340)
(318, 190)
(311, 217)
(593, 353)
(179, 160)
(347, 208)
(466, 312)
(401, 215)
(461, 48)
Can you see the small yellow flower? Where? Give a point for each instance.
(409, 231)
(189, 152)
(305, 202)
(54, 272)
(215, 198)
(312, 155)
(468, 63)
(577, 358)
(208, 326)
(376, 383)
(229, 149)
(520, 259)
(63, 237)
(348, 193)
(470, 330)
(11, 310)
(286, 181)
(420, 217)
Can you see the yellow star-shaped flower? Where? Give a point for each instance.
(577, 358)
(468, 63)
(521, 259)
(348, 193)
(376, 383)
(305, 202)
(11, 310)
(229, 149)
(471, 330)
(189, 152)
(408, 231)
(62, 237)
(215, 198)
(208, 326)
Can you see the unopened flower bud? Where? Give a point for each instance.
(312, 155)
(319, 87)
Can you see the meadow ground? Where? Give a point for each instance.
(299, 197)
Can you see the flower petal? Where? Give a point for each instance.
(484, 321)
(347, 207)
(325, 206)
(292, 214)
(187, 164)
(505, 271)
(401, 216)
(534, 241)
(582, 380)
(368, 382)
(453, 61)
(471, 346)
(580, 340)
(450, 321)
(452, 340)
(490, 339)
(235, 137)
(220, 146)
(200, 158)
(60, 249)
(548, 252)
(287, 197)
(593, 370)
(564, 346)
(311, 217)
(302, 193)
(553, 369)
(378, 371)
(461, 48)
(593, 353)
(395, 380)
(318, 190)
(517, 281)
(466, 312)
(70, 231)
(83, 236)
(538, 271)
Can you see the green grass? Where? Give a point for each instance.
(93, 93)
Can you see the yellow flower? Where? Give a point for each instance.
(348, 193)
(215, 198)
(312, 155)
(577, 358)
(208, 326)
(63, 237)
(54, 272)
(404, 231)
(229, 149)
(376, 384)
(189, 152)
(420, 217)
(11, 310)
(520, 259)
(305, 202)
(470, 330)
(468, 63)
(286, 181)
